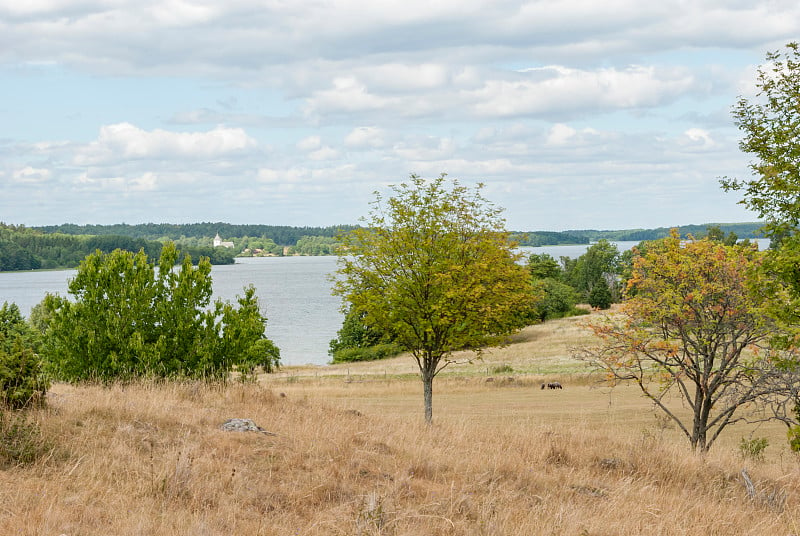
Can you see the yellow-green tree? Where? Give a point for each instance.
(433, 265)
(691, 328)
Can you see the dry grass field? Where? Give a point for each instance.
(349, 454)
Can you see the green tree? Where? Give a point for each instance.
(771, 128)
(554, 299)
(130, 318)
(543, 266)
(600, 263)
(715, 232)
(686, 330)
(434, 266)
(600, 295)
(22, 382)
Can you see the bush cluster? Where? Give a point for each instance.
(369, 353)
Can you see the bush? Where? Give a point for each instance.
(370, 353)
(753, 449)
(557, 299)
(22, 383)
(21, 439)
(131, 318)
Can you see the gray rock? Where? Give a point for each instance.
(242, 425)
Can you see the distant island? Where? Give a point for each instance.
(64, 246)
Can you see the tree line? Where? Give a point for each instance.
(289, 236)
(23, 248)
(749, 230)
(282, 235)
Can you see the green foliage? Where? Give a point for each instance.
(715, 233)
(435, 268)
(771, 128)
(549, 238)
(753, 449)
(21, 440)
(354, 333)
(793, 436)
(367, 353)
(543, 266)
(257, 247)
(22, 382)
(315, 245)
(600, 295)
(600, 265)
(130, 318)
(554, 299)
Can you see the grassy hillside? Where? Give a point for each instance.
(351, 455)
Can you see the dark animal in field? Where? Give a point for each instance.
(552, 385)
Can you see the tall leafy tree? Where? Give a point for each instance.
(600, 265)
(434, 266)
(771, 128)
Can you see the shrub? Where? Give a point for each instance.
(557, 299)
(753, 449)
(132, 318)
(370, 353)
(21, 439)
(21, 380)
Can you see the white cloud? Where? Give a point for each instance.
(699, 137)
(311, 143)
(560, 134)
(324, 153)
(556, 89)
(31, 175)
(179, 13)
(364, 138)
(347, 94)
(126, 141)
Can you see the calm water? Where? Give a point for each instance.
(294, 293)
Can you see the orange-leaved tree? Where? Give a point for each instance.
(692, 327)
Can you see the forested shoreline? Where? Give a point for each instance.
(66, 245)
(24, 248)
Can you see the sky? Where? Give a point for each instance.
(574, 114)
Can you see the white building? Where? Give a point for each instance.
(218, 242)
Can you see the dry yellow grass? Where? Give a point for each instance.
(355, 457)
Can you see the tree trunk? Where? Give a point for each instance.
(427, 387)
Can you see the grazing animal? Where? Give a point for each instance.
(553, 385)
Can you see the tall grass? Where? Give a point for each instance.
(150, 459)
(351, 455)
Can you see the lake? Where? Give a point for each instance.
(294, 292)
